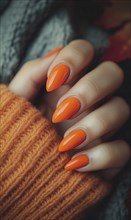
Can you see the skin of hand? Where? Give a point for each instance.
(82, 111)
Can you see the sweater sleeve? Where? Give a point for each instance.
(34, 184)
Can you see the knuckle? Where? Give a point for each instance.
(31, 63)
(93, 87)
(107, 153)
(81, 42)
(125, 150)
(124, 105)
(77, 53)
(115, 69)
(27, 65)
(115, 154)
(81, 47)
(101, 123)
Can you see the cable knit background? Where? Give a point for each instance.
(31, 28)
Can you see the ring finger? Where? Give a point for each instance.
(105, 119)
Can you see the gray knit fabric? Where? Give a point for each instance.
(31, 28)
(51, 35)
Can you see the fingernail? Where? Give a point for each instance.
(57, 77)
(72, 140)
(77, 162)
(53, 52)
(66, 110)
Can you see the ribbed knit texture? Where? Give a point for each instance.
(31, 28)
(34, 184)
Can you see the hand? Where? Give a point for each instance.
(83, 99)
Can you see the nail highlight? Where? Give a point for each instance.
(66, 110)
(77, 162)
(53, 52)
(72, 140)
(57, 77)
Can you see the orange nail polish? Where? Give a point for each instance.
(77, 162)
(57, 77)
(66, 110)
(53, 52)
(73, 139)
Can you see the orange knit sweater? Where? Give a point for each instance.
(34, 185)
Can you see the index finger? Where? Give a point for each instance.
(69, 63)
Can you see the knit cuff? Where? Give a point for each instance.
(34, 184)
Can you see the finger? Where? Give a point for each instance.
(111, 155)
(70, 61)
(32, 76)
(93, 87)
(103, 120)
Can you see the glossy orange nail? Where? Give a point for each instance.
(77, 162)
(66, 110)
(57, 77)
(73, 139)
(53, 52)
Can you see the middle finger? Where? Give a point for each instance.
(90, 89)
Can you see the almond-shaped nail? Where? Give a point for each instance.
(57, 77)
(66, 110)
(53, 52)
(72, 140)
(77, 162)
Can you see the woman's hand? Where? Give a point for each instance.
(83, 101)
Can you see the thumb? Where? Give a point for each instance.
(31, 77)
